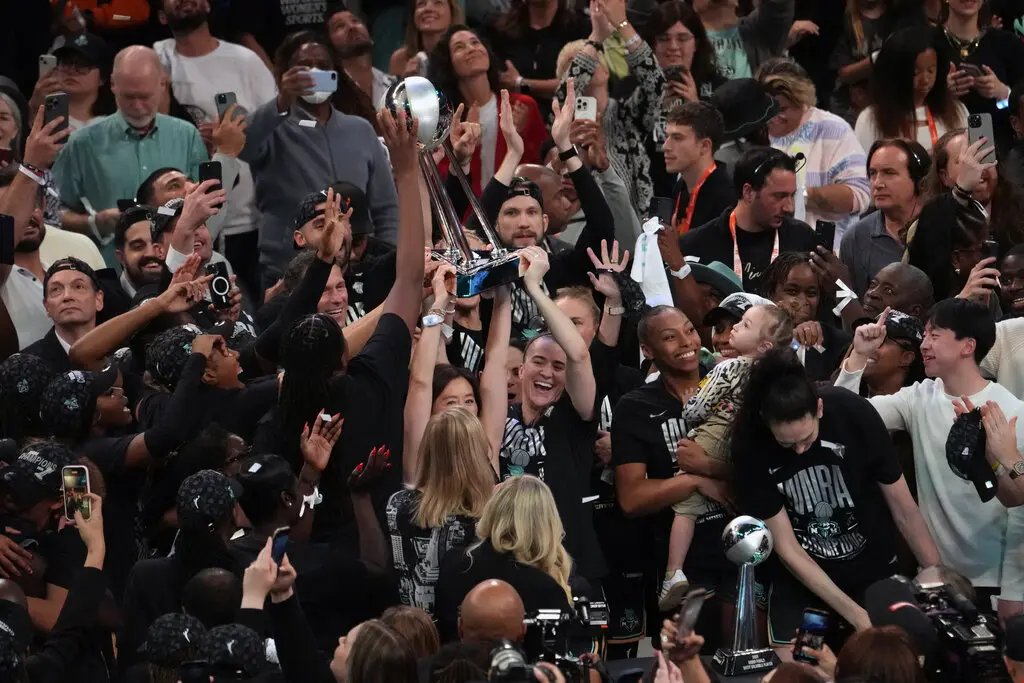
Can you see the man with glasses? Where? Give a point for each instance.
(759, 227)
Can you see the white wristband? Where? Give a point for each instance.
(33, 176)
(682, 273)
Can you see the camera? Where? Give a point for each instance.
(553, 635)
(969, 642)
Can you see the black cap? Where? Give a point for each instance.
(36, 474)
(234, 649)
(890, 602)
(70, 263)
(206, 497)
(172, 639)
(734, 306)
(14, 620)
(167, 355)
(1013, 638)
(88, 45)
(965, 454)
(351, 198)
(745, 106)
(23, 377)
(69, 400)
(262, 479)
(524, 187)
(899, 327)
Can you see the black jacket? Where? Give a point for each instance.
(49, 349)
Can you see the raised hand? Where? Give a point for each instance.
(337, 228)
(982, 281)
(513, 140)
(972, 165)
(182, 296)
(366, 475)
(866, 340)
(465, 134)
(604, 282)
(399, 135)
(443, 285)
(228, 134)
(533, 266)
(668, 245)
(43, 143)
(204, 344)
(200, 204)
(295, 82)
(91, 528)
(564, 115)
(588, 136)
(317, 443)
(600, 28)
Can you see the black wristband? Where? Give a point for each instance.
(568, 154)
(596, 45)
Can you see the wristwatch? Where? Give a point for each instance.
(568, 154)
(1017, 469)
(615, 310)
(433, 318)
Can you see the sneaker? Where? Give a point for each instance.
(673, 589)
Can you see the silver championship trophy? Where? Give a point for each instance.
(476, 271)
(748, 543)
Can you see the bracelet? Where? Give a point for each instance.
(633, 41)
(433, 318)
(31, 174)
(615, 310)
(622, 24)
(518, 87)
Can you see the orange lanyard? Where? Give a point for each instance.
(931, 125)
(737, 265)
(692, 204)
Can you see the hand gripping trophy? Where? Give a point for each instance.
(748, 543)
(475, 271)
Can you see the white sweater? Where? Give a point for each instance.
(982, 541)
(1005, 362)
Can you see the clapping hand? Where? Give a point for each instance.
(317, 443)
(513, 139)
(366, 475)
(1000, 434)
(564, 115)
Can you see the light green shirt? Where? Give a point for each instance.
(108, 160)
(730, 53)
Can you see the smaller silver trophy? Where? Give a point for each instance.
(748, 543)
(476, 271)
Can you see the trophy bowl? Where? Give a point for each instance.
(747, 541)
(420, 99)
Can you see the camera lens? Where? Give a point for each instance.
(974, 121)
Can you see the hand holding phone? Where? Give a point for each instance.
(811, 634)
(689, 612)
(279, 544)
(825, 231)
(220, 285)
(76, 491)
(57, 105)
(662, 208)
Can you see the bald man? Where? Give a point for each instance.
(108, 160)
(492, 611)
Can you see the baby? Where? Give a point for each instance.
(712, 410)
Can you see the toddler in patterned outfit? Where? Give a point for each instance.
(709, 414)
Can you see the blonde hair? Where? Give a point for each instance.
(521, 518)
(781, 76)
(455, 475)
(568, 53)
(582, 294)
(778, 328)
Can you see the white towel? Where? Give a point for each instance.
(648, 268)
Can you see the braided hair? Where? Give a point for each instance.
(777, 272)
(312, 350)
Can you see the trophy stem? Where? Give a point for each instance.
(455, 167)
(458, 245)
(744, 632)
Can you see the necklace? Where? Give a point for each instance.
(964, 47)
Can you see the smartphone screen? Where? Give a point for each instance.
(662, 208)
(811, 634)
(6, 239)
(279, 544)
(76, 488)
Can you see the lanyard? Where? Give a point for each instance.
(692, 203)
(737, 265)
(932, 130)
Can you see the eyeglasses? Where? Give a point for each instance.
(75, 67)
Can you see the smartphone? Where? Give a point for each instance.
(58, 104)
(6, 239)
(689, 612)
(662, 208)
(324, 81)
(972, 70)
(586, 108)
(211, 170)
(76, 489)
(279, 544)
(980, 126)
(675, 73)
(196, 671)
(47, 63)
(810, 634)
(125, 204)
(224, 100)
(220, 285)
(826, 234)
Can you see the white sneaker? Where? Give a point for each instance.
(673, 589)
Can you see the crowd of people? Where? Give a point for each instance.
(771, 263)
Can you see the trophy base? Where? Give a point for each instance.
(740, 662)
(482, 272)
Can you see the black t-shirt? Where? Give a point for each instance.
(713, 242)
(369, 282)
(831, 491)
(647, 424)
(715, 196)
(371, 398)
(467, 348)
(558, 449)
(269, 21)
(1002, 52)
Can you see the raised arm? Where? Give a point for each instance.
(201, 204)
(579, 375)
(407, 292)
(493, 384)
(605, 284)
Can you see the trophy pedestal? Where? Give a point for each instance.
(729, 662)
(480, 273)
